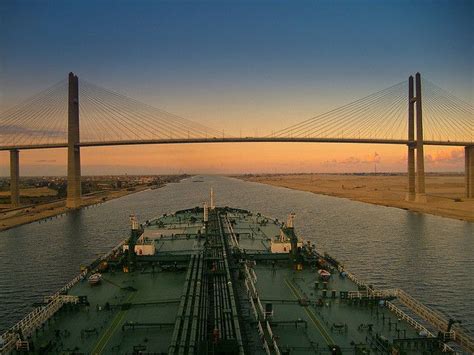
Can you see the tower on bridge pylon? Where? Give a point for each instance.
(73, 150)
(416, 180)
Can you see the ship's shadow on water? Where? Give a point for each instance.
(430, 257)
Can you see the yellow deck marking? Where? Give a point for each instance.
(312, 315)
(104, 339)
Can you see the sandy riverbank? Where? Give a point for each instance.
(28, 214)
(445, 192)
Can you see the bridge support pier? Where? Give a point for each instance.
(411, 144)
(15, 177)
(469, 170)
(420, 156)
(73, 150)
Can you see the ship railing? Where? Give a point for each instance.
(436, 319)
(114, 250)
(83, 274)
(262, 337)
(260, 307)
(354, 294)
(423, 311)
(391, 292)
(33, 321)
(254, 309)
(373, 294)
(272, 336)
(445, 348)
(40, 314)
(255, 299)
(432, 317)
(233, 237)
(253, 290)
(429, 315)
(353, 278)
(251, 299)
(402, 315)
(276, 348)
(408, 319)
(269, 329)
(69, 299)
(250, 274)
(66, 287)
(253, 275)
(266, 348)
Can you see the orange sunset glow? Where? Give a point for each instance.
(230, 158)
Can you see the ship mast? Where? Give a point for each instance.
(290, 232)
(206, 215)
(212, 198)
(134, 235)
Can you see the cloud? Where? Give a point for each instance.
(446, 157)
(350, 160)
(370, 159)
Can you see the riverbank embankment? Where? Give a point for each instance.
(445, 193)
(27, 214)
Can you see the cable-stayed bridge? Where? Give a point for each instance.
(109, 118)
(69, 115)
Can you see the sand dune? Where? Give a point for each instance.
(445, 192)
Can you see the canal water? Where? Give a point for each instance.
(430, 257)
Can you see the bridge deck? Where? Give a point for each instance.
(237, 140)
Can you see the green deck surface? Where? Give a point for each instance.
(177, 302)
(99, 330)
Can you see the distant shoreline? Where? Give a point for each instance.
(12, 218)
(445, 192)
(30, 214)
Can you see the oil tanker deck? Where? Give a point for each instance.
(222, 280)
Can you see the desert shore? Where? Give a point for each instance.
(445, 193)
(28, 214)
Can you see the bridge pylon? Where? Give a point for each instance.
(469, 170)
(420, 195)
(73, 150)
(416, 177)
(411, 141)
(15, 177)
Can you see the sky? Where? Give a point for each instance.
(246, 67)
